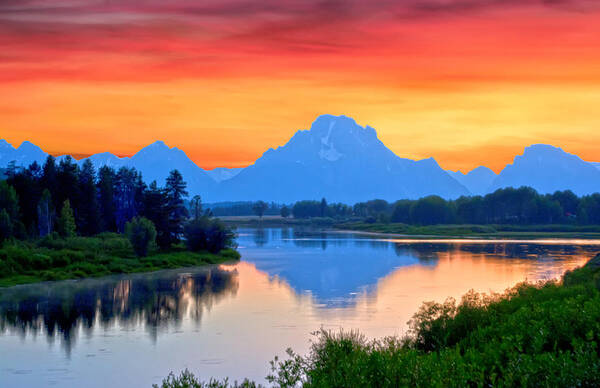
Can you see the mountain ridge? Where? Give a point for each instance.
(340, 160)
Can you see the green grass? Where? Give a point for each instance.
(79, 257)
(488, 231)
(533, 335)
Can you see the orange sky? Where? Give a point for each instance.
(468, 82)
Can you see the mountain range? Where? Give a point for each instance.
(344, 162)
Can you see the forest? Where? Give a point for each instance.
(520, 206)
(61, 221)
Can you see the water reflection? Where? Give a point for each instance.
(338, 268)
(153, 301)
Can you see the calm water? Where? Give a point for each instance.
(230, 320)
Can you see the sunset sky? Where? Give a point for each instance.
(468, 82)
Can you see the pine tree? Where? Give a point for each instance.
(88, 216)
(6, 227)
(175, 190)
(156, 210)
(66, 222)
(106, 194)
(50, 179)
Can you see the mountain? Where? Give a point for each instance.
(477, 181)
(221, 174)
(548, 169)
(339, 160)
(155, 162)
(24, 155)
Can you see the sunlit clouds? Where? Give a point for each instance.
(467, 82)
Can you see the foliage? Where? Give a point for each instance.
(259, 208)
(533, 335)
(66, 222)
(187, 380)
(285, 211)
(208, 234)
(6, 228)
(56, 258)
(141, 233)
(175, 194)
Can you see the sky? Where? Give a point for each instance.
(468, 82)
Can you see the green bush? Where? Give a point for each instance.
(141, 233)
(205, 234)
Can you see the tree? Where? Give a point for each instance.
(175, 190)
(45, 214)
(259, 208)
(126, 196)
(196, 207)
(6, 227)
(88, 216)
(66, 222)
(156, 210)
(68, 183)
(9, 200)
(141, 233)
(285, 211)
(323, 208)
(106, 199)
(208, 234)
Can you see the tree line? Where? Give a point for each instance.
(62, 197)
(521, 206)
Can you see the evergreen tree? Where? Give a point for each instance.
(175, 190)
(45, 214)
(88, 216)
(106, 199)
(9, 200)
(6, 226)
(68, 183)
(50, 179)
(125, 196)
(156, 210)
(66, 223)
(323, 207)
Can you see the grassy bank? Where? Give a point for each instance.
(533, 335)
(79, 257)
(483, 231)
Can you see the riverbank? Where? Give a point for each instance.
(533, 335)
(47, 259)
(473, 231)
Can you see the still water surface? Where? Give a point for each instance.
(230, 320)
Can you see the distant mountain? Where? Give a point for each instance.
(477, 181)
(548, 169)
(221, 174)
(155, 162)
(24, 155)
(339, 160)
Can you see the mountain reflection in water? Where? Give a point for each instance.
(154, 301)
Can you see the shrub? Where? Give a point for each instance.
(141, 233)
(208, 234)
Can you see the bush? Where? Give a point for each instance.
(141, 233)
(66, 222)
(205, 234)
(187, 380)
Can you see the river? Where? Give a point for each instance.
(231, 320)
